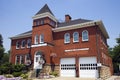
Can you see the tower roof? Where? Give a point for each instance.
(44, 9)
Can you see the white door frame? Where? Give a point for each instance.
(37, 58)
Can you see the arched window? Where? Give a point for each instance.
(85, 35)
(41, 38)
(36, 39)
(23, 44)
(17, 44)
(28, 43)
(75, 37)
(67, 38)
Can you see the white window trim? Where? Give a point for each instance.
(44, 44)
(17, 44)
(74, 38)
(35, 39)
(21, 59)
(65, 38)
(16, 59)
(26, 58)
(87, 36)
(22, 44)
(42, 35)
(79, 49)
(27, 43)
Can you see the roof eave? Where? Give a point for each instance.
(81, 25)
(103, 29)
(46, 14)
(21, 36)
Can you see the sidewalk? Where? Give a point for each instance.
(74, 78)
(67, 78)
(114, 78)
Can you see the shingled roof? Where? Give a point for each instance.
(22, 35)
(44, 9)
(73, 22)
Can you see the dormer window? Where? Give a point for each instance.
(17, 44)
(41, 38)
(23, 44)
(67, 38)
(36, 39)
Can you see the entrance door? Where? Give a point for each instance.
(88, 67)
(67, 67)
(37, 58)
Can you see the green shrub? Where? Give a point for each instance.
(6, 68)
(16, 74)
(18, 67)
(24, 76)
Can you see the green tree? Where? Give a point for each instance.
(5, 57)
(1, 41)
(115, 54)
(1, 48)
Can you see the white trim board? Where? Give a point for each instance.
(81, 49)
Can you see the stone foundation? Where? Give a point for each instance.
(47, 69)
(105, 72)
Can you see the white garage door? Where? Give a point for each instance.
(67, 67)
(88, 67)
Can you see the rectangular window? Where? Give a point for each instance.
(21, 59)
(28, 43)
(42, 21)
(17, 59)
(17, 45)
(37, 23)
(36, 39)
(41, 38)
(23, 43)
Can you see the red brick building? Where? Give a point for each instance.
(73, 47)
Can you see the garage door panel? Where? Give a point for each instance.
(67, 67)
(88, 67)
(68, 73)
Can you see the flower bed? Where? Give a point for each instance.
(14, 78)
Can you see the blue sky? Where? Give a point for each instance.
(16, 15)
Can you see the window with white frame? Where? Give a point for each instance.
(36, 39)
(21, 59)
(17, 59)
(85, 35)
(28, 43)
(42, 38)
(67, 38)
(23, 44)
(17, 44)
(75, 37)
(26, 57)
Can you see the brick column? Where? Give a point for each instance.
(77, 66)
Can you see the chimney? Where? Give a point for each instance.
(67, 18)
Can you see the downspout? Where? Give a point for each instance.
(97, 47)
